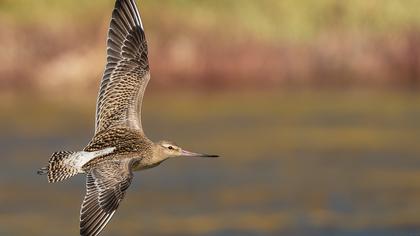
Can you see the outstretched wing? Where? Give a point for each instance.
(127, 70)
(105, 188)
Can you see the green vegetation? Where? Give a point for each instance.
(50, 12)
(280, 43)
(269, 19)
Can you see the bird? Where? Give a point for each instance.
(119, 146)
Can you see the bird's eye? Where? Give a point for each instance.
(171, 148)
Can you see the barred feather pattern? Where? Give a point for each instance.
(126, 73)
(58, 170)
(106, 185)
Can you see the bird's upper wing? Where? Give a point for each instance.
(105, 188)
(127, 70)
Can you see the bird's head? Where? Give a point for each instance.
(167, 149)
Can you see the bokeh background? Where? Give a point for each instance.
(314, 106)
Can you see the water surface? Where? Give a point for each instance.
(323, 163)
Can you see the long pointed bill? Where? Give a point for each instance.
(192, 154)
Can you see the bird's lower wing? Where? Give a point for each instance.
(105, 188)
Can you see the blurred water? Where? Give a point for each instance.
(294, 164)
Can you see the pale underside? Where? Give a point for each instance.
(79, 159)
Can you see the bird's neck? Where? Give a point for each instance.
(158, 155)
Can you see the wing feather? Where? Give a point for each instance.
(127, 70)
(105, 188)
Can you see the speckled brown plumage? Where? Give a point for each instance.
(125, 141)
(118, 123)
(119, 145)
(126, 73)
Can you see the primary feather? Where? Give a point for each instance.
(126, 73)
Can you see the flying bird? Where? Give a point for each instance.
(119, 146)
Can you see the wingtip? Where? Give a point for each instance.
(133, 10)
(136, 8)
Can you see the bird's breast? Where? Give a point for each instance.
(143, 164)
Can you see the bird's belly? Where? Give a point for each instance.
(143, 165)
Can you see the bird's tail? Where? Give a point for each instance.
(59, 167)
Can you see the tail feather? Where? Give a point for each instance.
(59, 167)
(43, 171)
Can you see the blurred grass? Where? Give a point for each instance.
(217, 44)
(269, 19)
